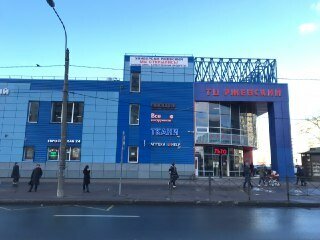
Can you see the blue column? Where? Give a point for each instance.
(280, 138)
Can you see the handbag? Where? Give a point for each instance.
(29, 183)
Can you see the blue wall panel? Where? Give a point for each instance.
(179, 94)
(37, 134)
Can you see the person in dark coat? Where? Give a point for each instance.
(303, 177)
(15, 175)
(35, 178)
(173, 175)
(247, 175)
(252, 170)
(86, 179)
(299, 174)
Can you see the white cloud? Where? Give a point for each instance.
(316, 6)
(307, 28)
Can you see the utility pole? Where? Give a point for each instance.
(63, 144)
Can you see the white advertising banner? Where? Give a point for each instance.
(159, 61)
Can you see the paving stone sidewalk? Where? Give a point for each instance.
(226, 191)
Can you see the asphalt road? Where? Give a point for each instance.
(156, 222)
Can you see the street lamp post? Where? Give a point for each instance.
(62, 160)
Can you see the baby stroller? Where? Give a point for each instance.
(273, 179)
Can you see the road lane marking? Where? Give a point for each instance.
(109, 208)
(102, 216)
(95, 208)
(7, 209)
(30, 208)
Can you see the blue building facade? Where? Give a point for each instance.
(167, 109)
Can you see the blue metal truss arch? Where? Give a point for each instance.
(235, 70)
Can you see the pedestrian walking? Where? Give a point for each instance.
(303, 177)
(247, 175)
(15, 175)
(86, 179)
(298, 174)
(173, 175)
(35, 178)
(252, 170)
(262, 175)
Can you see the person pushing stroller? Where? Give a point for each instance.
(262, 175)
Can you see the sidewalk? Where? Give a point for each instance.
(226, 191)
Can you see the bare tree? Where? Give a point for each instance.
(311, 128)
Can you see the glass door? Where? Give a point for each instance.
(224, 165)
(216, 165)
(211, 164)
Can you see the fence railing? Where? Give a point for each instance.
(188, 189)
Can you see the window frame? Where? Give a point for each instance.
(131, 117)
(132, 74)
(58, 150)
(137, 154)
(71, 107)
(69, 152)
(68, 155)
(30, 114)
(25, 153)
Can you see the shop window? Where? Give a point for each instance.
(133, 154)
(33, 112)
(53, 153)
(74, 112)
(72, 154)
(28, 153)
(135, 82)
(134, 114)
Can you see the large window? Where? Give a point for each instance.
(134, 114)
(135, 82)
(74, 112)
(133, 152)
(73, 153)
(28, 153)
(225, 123)
(33, 112)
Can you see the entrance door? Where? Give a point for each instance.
(216, 165)
(224, 165)
(211, 164)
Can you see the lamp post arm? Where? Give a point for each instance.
(64, 28)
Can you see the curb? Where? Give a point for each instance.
(153, 202)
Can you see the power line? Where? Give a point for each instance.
(187, 109)
(149, 71)
(106, 68)
(32, 66)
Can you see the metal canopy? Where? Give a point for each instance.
(244, 70)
